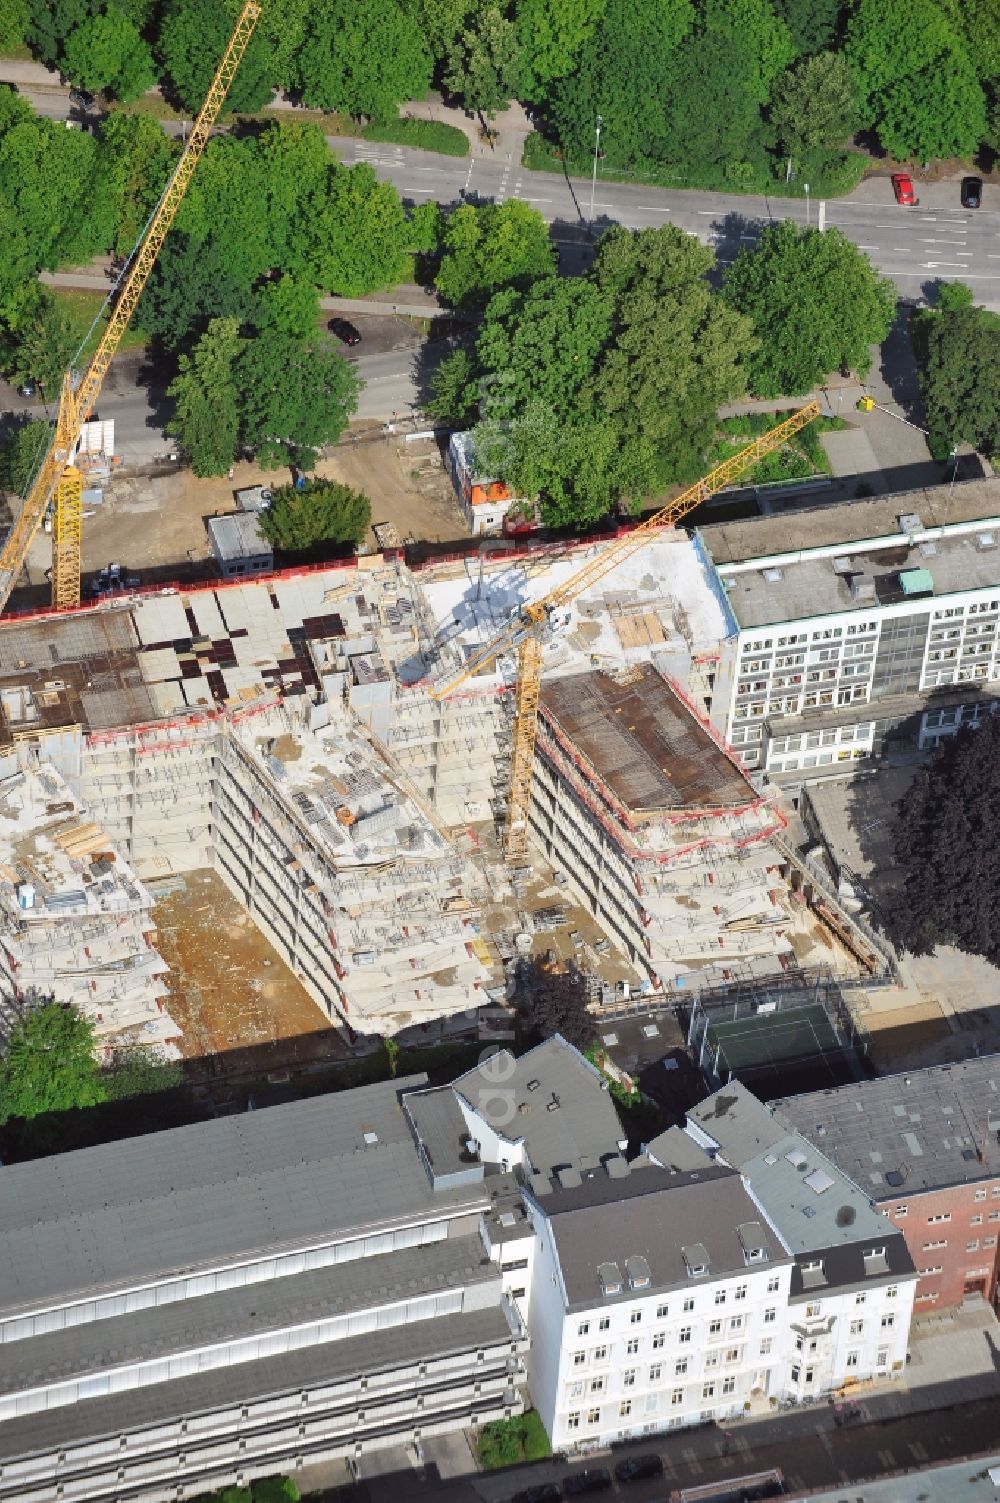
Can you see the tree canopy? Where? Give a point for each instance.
(49, 1064)
(206, 417)
(816, 103)
(323, 511)
(945, 842)
(601, 389)
(487, 247)
(917, 81)
(960, 377)
(816, 302)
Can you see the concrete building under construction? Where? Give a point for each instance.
(656, 827)
(284, 731)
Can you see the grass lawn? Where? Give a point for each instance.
(429, 135)
(83, 308)
(831, 174)
(800, 458)
(509, 1442)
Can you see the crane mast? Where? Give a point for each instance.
(58, 480)
(526, 633)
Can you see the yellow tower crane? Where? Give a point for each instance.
(57, 479)
(527, 631)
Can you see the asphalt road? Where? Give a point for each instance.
(392, 359)
(934, 240)
(810, 1450)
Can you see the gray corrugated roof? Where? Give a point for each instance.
(927, 1128)
(190, 1324)
(206, 1194)
(582, 1128)
(654, 1215)
(777, 1163)
(249, 1381)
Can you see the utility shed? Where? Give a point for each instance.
(238, 545)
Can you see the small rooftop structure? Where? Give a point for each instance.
(549, 1109)
(901, 1134)
(254, 498)
(239, 546)
(642, 743)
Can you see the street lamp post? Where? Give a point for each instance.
(593, 179)
(805, 187)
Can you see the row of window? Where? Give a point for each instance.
(688, 1305)
(578, 1419)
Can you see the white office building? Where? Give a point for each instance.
(882, 624)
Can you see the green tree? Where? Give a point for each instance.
(551, 35)
(391, 1047)
(454, 390)
(960, 380)
(627, 72)
(426, 224)
(812, 24)
(714, 115)
(297, 395)
(917, 82)
(54, 204)
(108, 54)
(206, 392)
(952, 295)
(485, 248)
(816, 302)
(362, 64)
(136, 159)
(275, 1490)
(324, 511)
(677, 350)
(192, 38)
(361, 236)
(816, 103)
(541, 345)
(484, 66)
(21, 451)
(190, 285)
(944, 843)
(39, 338)
(49, 1064)
(13, 24)
(289, 307)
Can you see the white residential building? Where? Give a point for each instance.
(882, 623)
(853, 1282)
(658, 1300)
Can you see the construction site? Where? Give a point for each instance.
(374, 759)
(286, 735)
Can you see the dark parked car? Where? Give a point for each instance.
(543, 1492)
(972, 192)
(635, 1468)
(594, 1480)
(345, 332)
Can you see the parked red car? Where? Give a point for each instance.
(902, 186)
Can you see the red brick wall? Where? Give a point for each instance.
(959, 1218)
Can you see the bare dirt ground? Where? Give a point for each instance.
(228, 989)
(155, 526)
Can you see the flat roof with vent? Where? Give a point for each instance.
(908, 1133)
(847, 556)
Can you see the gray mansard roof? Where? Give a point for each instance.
(208, 1194)
(656, 1216)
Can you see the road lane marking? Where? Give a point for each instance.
(901, 250)
(654, 208)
